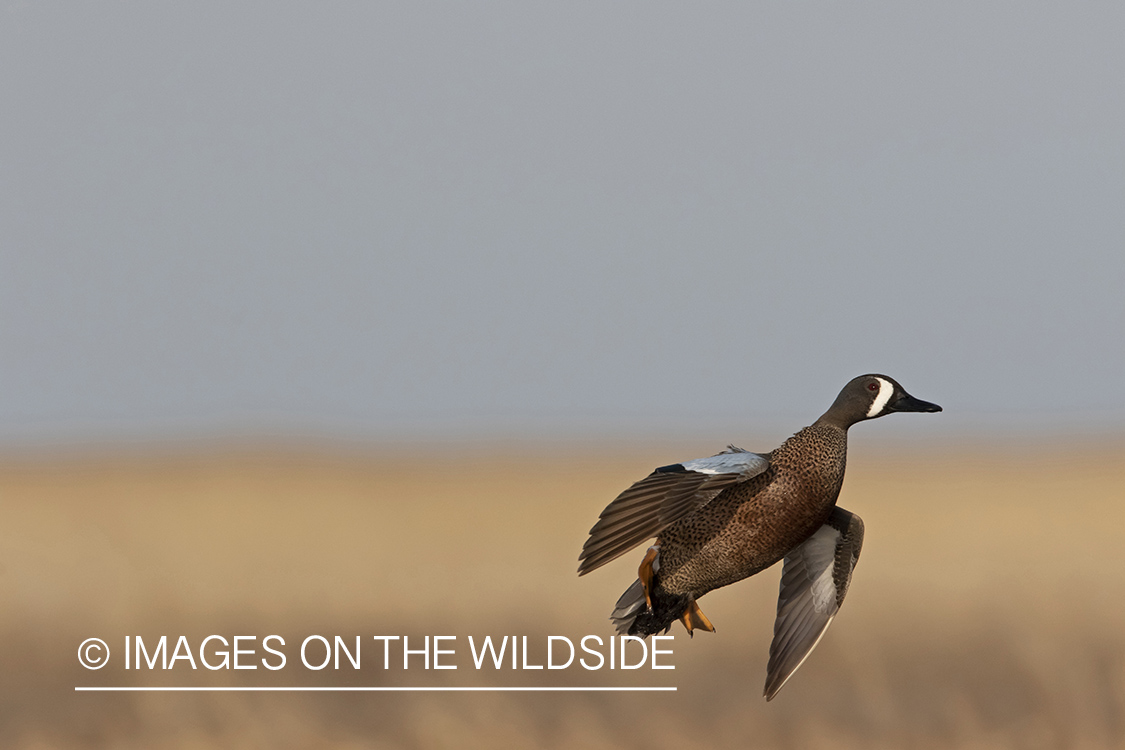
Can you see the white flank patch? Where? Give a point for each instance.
(885, 391)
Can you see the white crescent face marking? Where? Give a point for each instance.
(885, 391)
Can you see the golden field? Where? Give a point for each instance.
(987, 610)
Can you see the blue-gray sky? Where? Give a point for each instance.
(456, 219)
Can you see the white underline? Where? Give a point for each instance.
(366, 689)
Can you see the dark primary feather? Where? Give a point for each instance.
(640, 512)
(661, 498)
(814, 580)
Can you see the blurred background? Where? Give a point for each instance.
(352, 317)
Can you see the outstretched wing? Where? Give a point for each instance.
(814, 580)
(664, 496)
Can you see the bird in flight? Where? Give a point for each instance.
(720, 519)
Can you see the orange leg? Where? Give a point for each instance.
(646, 572)
(693, 618)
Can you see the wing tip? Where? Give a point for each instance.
(776, 674)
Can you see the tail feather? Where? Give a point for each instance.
(631, 604)
(632, 615)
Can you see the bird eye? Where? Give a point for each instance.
(872, 387)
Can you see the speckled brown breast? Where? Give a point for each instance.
(752, 525)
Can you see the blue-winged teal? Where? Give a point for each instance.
(718, 520)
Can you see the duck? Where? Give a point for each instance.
(720, 519)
